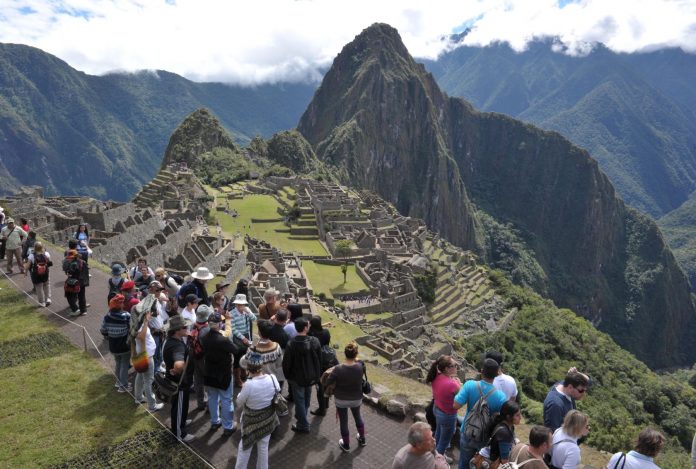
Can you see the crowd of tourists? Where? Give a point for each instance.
(487, 437)
(181, 339)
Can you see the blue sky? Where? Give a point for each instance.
(293, 40)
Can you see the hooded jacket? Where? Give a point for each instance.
(115, 327)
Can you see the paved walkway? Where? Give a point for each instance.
(288, 450)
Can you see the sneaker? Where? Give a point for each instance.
(74, 314)
(129, 388)
(188, 438)
(214, 426)
(43, 305)
(140, 401)
(318, 412)
(344, 447)
(157, 407)
(48, 302)
(229, 431)
(82, 313)
(117, 385)
(121, 389)
(362, 442)
(188, 421)
(297, 429)
(9, 272)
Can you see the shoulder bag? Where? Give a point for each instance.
(366, 386)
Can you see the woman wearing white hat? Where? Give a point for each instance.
(196, 286)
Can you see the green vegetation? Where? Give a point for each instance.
(264, 207)
(375, 316)
(57, 405)
(543, 342)
(327, 279)
(342, 249)
(426, 284)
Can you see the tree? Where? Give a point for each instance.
(343, 248)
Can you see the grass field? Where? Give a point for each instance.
(328, 279)
(59, 406)
(264, 207)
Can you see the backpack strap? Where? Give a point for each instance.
(480, 390)
(621, 458)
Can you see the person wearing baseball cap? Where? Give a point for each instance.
(178, 370)
(13, 236)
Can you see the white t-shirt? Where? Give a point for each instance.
(150, 344)
(30, 257)
(565, 452)
(157, 322)
(191, 316)
(506, 384)
(258, 392)
(634, 460)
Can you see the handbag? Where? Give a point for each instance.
(366, 386)
(279, 402)
(72, 285)
(430, 415)
(141, 362)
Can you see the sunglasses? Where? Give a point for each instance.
(582, 391)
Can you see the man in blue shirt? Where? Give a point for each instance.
(469, 396)
(562, 396)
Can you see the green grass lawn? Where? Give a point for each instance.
(328, 279)
(264, 207)
(58, 407)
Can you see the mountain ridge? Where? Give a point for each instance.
(398, 127)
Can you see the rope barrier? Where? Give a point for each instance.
(86, 334)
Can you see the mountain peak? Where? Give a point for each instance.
(198, 133)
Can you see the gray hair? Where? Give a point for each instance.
(415, 433)
(270, 293)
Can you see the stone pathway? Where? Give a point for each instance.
(319, 449)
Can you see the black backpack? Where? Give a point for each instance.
(72, 267)
(114, 289)
(328, 357)
(185, 289)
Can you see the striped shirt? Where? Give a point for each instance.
(241, 323)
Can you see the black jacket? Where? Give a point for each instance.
(279, 336)
(217, 356)
(302, 360)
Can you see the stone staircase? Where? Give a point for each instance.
(161, 187)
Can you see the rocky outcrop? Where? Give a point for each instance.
(382, 119)
(290, 149)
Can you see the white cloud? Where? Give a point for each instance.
(286, 40)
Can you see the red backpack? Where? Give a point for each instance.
(40, 265)
(194, 338)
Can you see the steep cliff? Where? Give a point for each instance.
(381, 117)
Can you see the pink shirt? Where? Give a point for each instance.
(444, 390)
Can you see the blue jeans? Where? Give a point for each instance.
(467, 450)
(221, 397)
(122, 366)
(302, 396)
(446, 425)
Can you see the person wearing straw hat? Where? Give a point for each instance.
(13, 236)
(177, 370)
(197, 286)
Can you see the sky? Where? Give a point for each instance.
(269, 41)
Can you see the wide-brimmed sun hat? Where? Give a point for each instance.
(202, 273)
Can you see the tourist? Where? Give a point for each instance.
(324, 338)
(534, 452)
(116, 280)
(129, 291)
(115, 326)
(561, 398)
(77, 279)
(143, 280)
(136, 270)
(143, 380)
(270, 304)
(295, 310)
(289, 327)
(189, 312)
(24, 224)
(219, 305)
(2, 218)
(217, 376)
(469, 395)
(157, 327)
(270, 352)
(259, 417)
(196, 286)
(420, 451)
(503, 382)
(38, 265)
(198, 331)
(278, 333)
(503, 433)
(241, 319)
(28, 245)
(565, 452)
(13, 236)
(302, 368)
(243, 288)
(221, 289)
(82, 237)
(179, 370)
(168, 281)
(347, 379)
(648, 446)
(445, 383)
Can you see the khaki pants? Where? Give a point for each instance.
(14, 254)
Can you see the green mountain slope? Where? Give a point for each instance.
(634, 113)
(382, 118)
(105, 135)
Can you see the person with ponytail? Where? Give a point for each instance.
(503, 433)
(443, 378)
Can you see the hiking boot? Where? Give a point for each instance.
(362, 442)
(344, 447)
